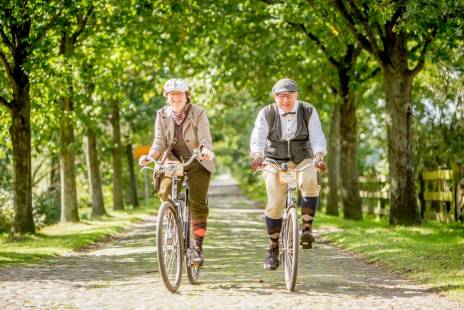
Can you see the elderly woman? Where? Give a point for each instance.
(188, 124)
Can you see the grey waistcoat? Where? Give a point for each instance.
(298, 148)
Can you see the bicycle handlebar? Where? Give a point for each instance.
(275, 165)
(195, 154)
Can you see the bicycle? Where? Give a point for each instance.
(174, 233)
(289, 234)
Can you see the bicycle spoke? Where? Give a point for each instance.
(170, 244)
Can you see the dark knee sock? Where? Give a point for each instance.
(273, 229)
(308, 211)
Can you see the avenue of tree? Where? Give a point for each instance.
(80, 82)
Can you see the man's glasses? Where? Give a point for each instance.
(285, 95)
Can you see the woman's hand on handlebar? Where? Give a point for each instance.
(147, 159)
(206, 154)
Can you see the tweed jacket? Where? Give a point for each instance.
(195, 130)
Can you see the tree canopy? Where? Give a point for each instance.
(385, 76)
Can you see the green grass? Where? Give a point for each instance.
(432, 254)
(63, 238)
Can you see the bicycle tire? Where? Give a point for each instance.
(169, 229)
(290, 249)
(193, 271)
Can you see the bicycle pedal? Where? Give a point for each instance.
(306, 245)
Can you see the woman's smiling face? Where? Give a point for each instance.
(177, 100)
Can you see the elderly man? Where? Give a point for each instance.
(288, 131)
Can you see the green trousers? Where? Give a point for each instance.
(199, 179)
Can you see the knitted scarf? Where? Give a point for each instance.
(179, 117)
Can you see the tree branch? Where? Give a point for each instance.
(6, 41)
(398, 12)
(365, 43)
(333, 89)
(364, 20)
(270, 1)
(35, 180)
(6, 103)
(352, 53)
(316, 40)
(7, 65)
(370, 76)
(421, 61)
(46, 28)
(82, 24)
(382, 34)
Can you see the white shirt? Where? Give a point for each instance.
(289, 126)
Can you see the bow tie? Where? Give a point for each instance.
(288, 113)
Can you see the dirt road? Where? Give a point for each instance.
(122, 274)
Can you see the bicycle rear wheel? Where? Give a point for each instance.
(193, 271)
(169, 246)
(290, 249)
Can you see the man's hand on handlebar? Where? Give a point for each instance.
(257, 162)
(320, 166)
(319, 162)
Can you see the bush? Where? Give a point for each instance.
(46, 208)
(6, 211)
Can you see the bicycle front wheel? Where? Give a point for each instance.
(193, 271)
(169, 246)
(290, 249)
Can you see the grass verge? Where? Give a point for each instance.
(65, 237)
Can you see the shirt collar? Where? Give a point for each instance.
(295, 108)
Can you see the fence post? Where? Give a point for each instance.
(421, 194)
(457, 175)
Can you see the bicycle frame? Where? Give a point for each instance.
(289, 234)
(178, 208)
(180, 202)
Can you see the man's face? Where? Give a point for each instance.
(177, 100)
(286, 100)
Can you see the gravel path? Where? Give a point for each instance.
(122, 274)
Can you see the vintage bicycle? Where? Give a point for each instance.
(174, 234)
(289, 235)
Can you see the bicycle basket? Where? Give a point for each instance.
(287, 177)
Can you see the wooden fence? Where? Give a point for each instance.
(440, 194)
(375, 192)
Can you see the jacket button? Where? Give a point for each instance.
(187, 141)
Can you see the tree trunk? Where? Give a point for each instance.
(20, 132)
(69, 212)
(352, 208)
(132, 180)
(403, 200)
(93, 169)
(398, 78)
(118, 202)
(20, 110)
(333, 162)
